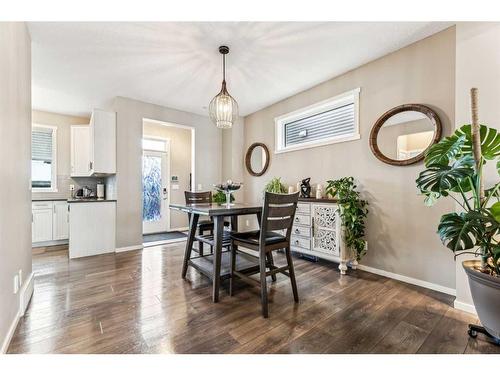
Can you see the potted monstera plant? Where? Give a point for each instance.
(454, 169)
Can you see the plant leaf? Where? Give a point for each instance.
(490, 141)
(459, 231)
(439, 178)
(495, 211)
(445, 150)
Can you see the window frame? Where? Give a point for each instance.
(53, 182)
(348, 97)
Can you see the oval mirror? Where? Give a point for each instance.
(257, 159)
(403, 134)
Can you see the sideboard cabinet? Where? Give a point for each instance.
(317, 231)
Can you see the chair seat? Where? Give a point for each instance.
(252, 237)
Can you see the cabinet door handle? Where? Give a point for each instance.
(312, 224)
(297, 230)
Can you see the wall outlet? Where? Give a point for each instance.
(16, 284)
(200, 187)
(247, 222)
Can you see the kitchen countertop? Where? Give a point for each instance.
(49, 199)
(316, 200)
(90, 200)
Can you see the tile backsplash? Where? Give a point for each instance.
(64, 181)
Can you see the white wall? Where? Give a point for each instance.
(401, 231)
(477, 65)
(130, 115)
(15, 153)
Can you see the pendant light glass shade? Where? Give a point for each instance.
(223, 109)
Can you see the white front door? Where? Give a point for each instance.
(155, 175)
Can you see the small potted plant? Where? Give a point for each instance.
(455, 168)
(353, 211)
(276, 186)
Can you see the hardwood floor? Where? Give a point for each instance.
(136, 302)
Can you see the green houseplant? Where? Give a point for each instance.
(353, 211)
(455, 169)
(276, 186)
(219, 197)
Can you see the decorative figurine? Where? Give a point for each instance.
(319, 191)
(305, 188)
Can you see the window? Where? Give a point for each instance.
(154, 144)
(43, 158)
(330, 121)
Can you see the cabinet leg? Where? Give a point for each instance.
(343, 267)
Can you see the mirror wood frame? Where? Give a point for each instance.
(248, 158)
(428, 112)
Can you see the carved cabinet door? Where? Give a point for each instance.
(326, 229)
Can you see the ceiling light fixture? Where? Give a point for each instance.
(223, 109)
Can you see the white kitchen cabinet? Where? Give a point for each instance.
(92, 228)
(80, 151)
(60, 221)
(41, 223)
(93, 147)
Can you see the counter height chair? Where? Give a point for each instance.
(277, 215)
(203, 226)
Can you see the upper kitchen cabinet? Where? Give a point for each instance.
(93, 148)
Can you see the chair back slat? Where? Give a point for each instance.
(278, 213)
(279, 223)
(198, 197)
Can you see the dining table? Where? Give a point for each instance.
(210, 265)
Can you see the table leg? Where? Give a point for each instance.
(193, 222)
(218, 233)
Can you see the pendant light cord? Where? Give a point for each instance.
(224, 67)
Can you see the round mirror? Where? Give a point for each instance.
(403, 134)
(257, 159)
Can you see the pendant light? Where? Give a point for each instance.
(223, 109)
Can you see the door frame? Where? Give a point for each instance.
(167, 182)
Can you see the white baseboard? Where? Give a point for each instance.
(163, 242)
(465, 307)
(25, 294)
(409, 280)
(49, 243)
(128, 248)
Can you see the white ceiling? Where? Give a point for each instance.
(78, 66)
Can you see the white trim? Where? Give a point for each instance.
(10, 334)
(465, 307)
(25, 294)
(53, 182)
(347, 97)
(128, 248)
(49, 243)
(409, 280)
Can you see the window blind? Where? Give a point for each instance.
(41, 145)
(337, 122)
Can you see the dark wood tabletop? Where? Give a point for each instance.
(218, 209)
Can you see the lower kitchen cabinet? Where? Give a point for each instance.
(60, 221)
(49, 222)
(41, 224)
(92, 228)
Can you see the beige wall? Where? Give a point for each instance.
(63, 124)
(401, 231)
(477, 65)
(130, 115)
(180, 164)
(15, 153)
